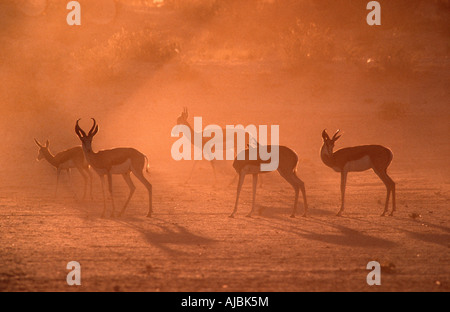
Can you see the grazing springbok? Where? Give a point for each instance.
(115, 161)
(287, 167)
(356, 159)
(227, 141)
(66, 160)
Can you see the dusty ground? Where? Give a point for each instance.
(190, 244)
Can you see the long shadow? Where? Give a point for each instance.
(353, 237)
(347, 237)
(166, 235)
(440, 239)
(350, 237)
(428, 224)
(436, 238)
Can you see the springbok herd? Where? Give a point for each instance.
(124, 161)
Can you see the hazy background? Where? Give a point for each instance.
(305, 65)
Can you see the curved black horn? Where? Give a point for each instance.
(37, 143)
(78, 129)
(325, 134)
(94, 128)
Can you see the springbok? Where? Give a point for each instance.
(115, 161)
(287, 167)
(182, 120)
(66, 160)
(356, 159)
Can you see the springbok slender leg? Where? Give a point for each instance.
(390, 188)
(343, 183)
(90, 181)
(111, 193)
(69, 180)
(255, 183)
(294, 181)
(140, 176)
(102, 180)
(70, 183)
(260, 180)
(239, 187)
(388, 195)
(303, 190)
(301, 185)
(391, 184)
(85, 178)
(58, 173)
(128, 180)
(394, 208)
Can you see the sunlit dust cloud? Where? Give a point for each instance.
(304, 66)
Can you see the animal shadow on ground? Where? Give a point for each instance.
(168, 237)
(346, 237)
(435, 238)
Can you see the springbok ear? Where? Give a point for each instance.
(37, 143)
(325, 135)
(336, 136)
(47, 143)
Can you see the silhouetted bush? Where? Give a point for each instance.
(308, 43)
(196, 10)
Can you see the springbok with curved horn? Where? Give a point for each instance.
(227, 141)
(356, 159)
(66, 160)
(115, 161)
(287, 167)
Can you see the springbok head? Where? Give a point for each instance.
(329, 143)
(182, 119)
(86, 139)
(43, 149)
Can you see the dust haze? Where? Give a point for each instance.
(303, 65)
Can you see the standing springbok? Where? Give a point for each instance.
(182, 120)
(227, 141)
(115, 161)
(287, 167)
(355, 159)
(66, 160)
